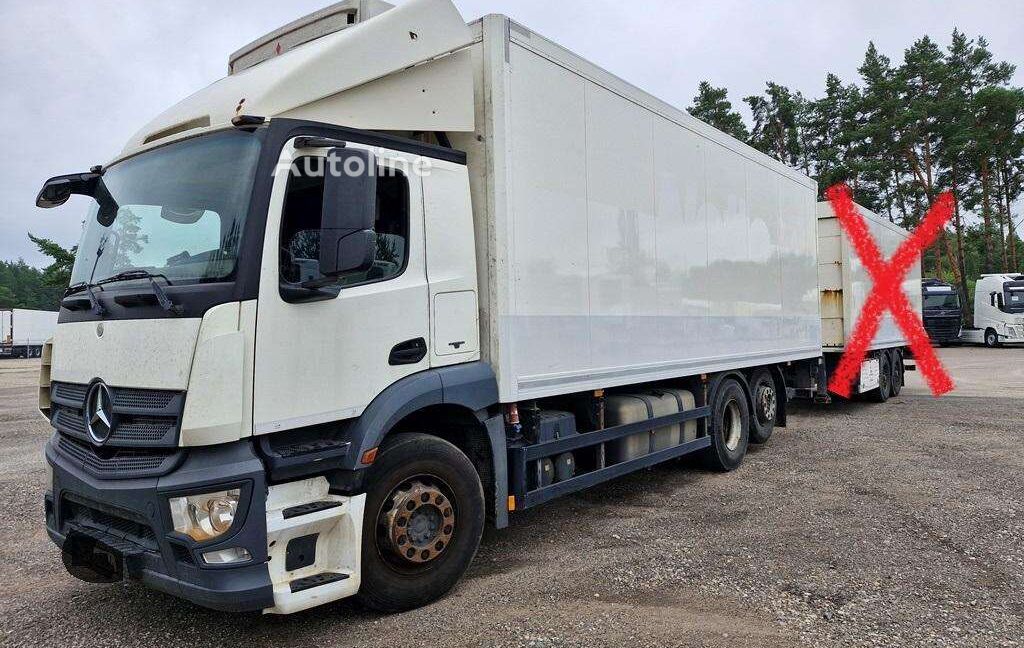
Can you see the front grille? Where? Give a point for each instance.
(142, 428)
(146, 417)
(120, 524)
(943, 328)
(68, 420)
(149, 399)
(119, 463)
(70, 392)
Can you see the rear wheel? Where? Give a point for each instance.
(991, 338)
(730, 427)
(898, 372)
(423, 522)
(766, 406)
(884, 390)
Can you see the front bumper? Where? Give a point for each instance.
(132, 515)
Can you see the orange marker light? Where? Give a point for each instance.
(511, 503)
(370, 456)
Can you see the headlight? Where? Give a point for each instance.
(204, 517)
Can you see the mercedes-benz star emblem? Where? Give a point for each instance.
(99, 413)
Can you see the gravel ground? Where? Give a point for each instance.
(859, 525)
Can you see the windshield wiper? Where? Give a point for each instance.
(94, 302)
(158, 292)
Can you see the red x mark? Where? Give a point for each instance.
(887, 293)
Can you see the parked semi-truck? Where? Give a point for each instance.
(275, 384)
(942, 310)
(23, 332)
(998, 311)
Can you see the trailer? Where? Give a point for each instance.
(845, 285)
(23, 332)
(425, 276)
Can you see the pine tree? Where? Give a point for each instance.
(712, 106)
(776, 128)
(58, 273)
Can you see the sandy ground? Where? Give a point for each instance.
(859, 525)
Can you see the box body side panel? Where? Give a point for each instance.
(625, 247)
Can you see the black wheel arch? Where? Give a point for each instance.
(457, 404)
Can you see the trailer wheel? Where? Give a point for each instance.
(991, 338)
(898, 373)
(884, 390)
(730, 428)
(423, 522)
(766, 406)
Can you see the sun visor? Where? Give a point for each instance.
(400, 70)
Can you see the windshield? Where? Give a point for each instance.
(179, 212)
(1014, 300)
(943, 302)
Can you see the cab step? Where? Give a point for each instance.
(308, 509)
(319, 580)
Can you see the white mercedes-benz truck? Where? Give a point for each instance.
(392, 279)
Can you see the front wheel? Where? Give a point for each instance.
(991, 338)
(423, 522)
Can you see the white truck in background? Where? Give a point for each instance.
(275, 384)
(23, 332)
(845, 285)
(998, 311)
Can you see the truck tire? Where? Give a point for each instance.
(884, 390)
(422, 525)
(898, 373)
(766, 406)
(730, 428)
(991, 338)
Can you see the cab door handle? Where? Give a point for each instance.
(408, 353)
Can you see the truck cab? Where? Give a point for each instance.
(942, 310)
(999, 308)
(272, 275)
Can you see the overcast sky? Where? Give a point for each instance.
(78, 78)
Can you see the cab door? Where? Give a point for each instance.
(324, 357)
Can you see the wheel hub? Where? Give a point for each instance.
(767, 403)
(420, 523)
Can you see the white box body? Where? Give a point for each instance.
(619, 239)
(21, 326)
(845, 282)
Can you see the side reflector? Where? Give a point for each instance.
(511, 503)
(370, 456)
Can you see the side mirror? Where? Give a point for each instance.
(347, 239)
(56, 191)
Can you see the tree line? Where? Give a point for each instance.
(943, 118)
(23, 286)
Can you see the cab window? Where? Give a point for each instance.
(302, 216)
